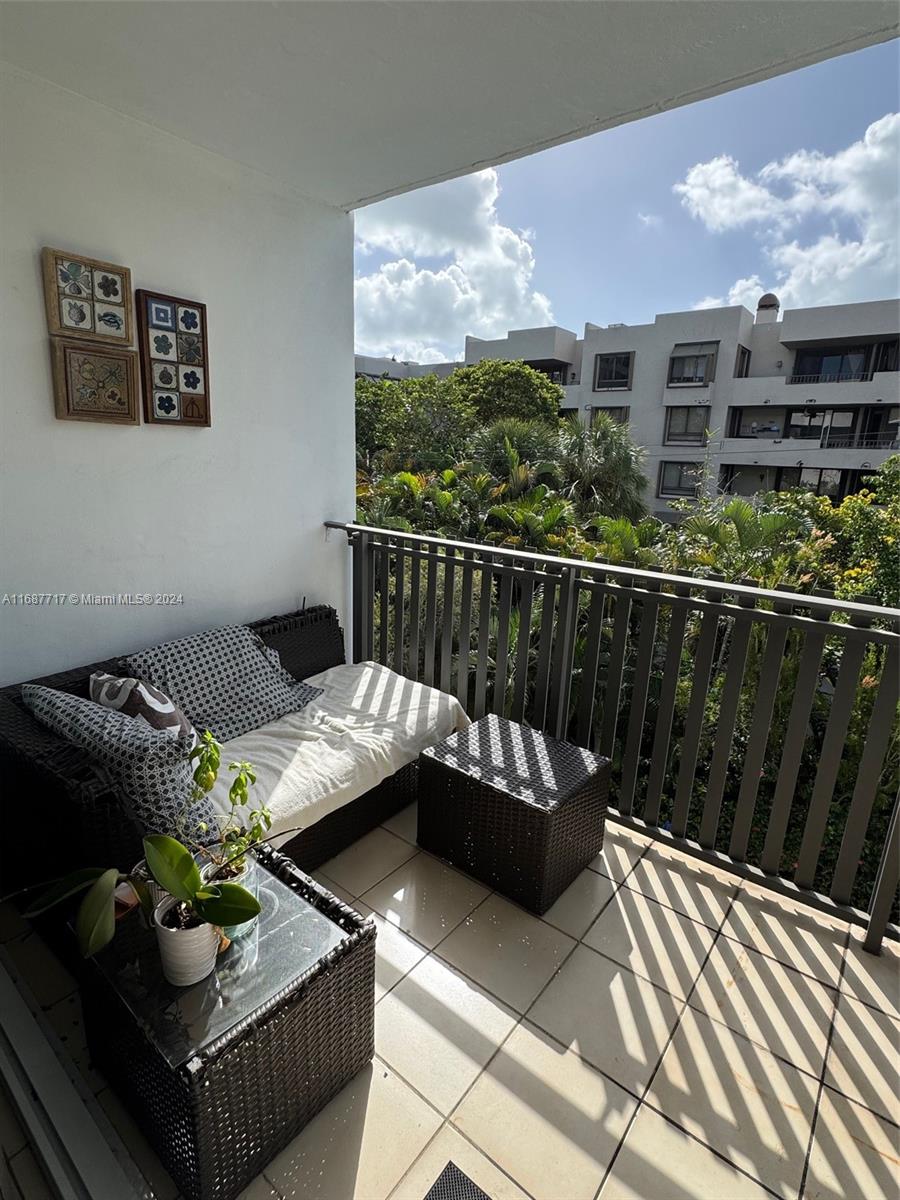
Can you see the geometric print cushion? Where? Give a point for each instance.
(150, 767)
(222, 680)
(138, 699)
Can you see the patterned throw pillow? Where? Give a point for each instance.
(142, 700)
(223, 681)
(149, 767)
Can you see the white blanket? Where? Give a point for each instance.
(368, 723)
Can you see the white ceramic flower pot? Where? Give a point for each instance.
(188, 955)
(157, 893)
(249, 879)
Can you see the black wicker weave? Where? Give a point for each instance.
(452, 1184)
(225, 1109)
(80, 811)
(515, 808)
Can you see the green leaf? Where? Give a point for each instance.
(172, 866)
(232, 906)
(67, 886)
(96, 920)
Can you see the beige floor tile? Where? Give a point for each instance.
(785, 1011)
(580, 903)
(547, 1118)
(621, 850)
(29, 1177)
(12, 1135)
(737, 1098)
(45, 976)
(395, 952)
(438, 1029)
(658, 1161)
(685, 884)
(405, 823)
(450, 1146)
(615, 1020)
(657, 942)
(360, 1145)
(864, 1057)
(145, 1157)
(855, 1155)
(790, 932)
(361, 865)
(506, 950)
(334, 888)
(874, 978)
(425, 898)
(67, 1022)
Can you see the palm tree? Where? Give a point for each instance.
(602, 469)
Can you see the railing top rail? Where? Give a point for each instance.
(851, 608)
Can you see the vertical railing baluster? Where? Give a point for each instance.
(878, 736)
(794, 742)
(449, 614)
(384, 601)
(563, 652)
(523, 648)
(399, 589)
(545, 650)
(504, 606)
(693, 722)
(465, 632)
(415, 574)
(842, 701)
(659, 755)
(430, 617)
(612, 690)
(728, 709)
(638, 704)
(484, 636)
(885, 884)
(589, 666)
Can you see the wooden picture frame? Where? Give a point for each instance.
(174, 359)
(95, 383)
(87, 298)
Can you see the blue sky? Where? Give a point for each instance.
(789, 184)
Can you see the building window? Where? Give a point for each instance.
(679, 479)
(620, 414)
(823, 481)
(693, 365)
(757, 422)
(806, 423)
(742, 363)
(686, 425)
(613, 371)
(830, 366)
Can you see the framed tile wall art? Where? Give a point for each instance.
(95, 383)
(87, 298)
(174, 359)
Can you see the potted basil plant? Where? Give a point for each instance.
(189, 919)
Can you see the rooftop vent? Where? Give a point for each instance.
(767, 309)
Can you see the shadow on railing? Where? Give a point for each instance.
(755, 729)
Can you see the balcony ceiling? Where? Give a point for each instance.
(350, 102)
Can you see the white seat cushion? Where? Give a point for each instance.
(367, 724)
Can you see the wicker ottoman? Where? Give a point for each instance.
(516, 809)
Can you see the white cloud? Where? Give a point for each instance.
(650, 220)
(853, 192)
(483, 287)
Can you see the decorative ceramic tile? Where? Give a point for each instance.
(164, 375)
(189, 320)
(162, 345)
(110, 318)
(167, 406)
(160, 315)
(87, 295)
(173, 331)
(108, 287)
(76, 314)
(95, 383)
(190, 379)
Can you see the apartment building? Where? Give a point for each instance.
(720, 398)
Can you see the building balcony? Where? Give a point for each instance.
(833, 377)
(880, 387)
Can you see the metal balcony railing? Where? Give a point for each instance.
(754, 729)
(833, 377)
(860, 441)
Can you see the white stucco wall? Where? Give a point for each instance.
(229, 516)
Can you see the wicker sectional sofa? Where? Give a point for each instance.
(80, 819)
